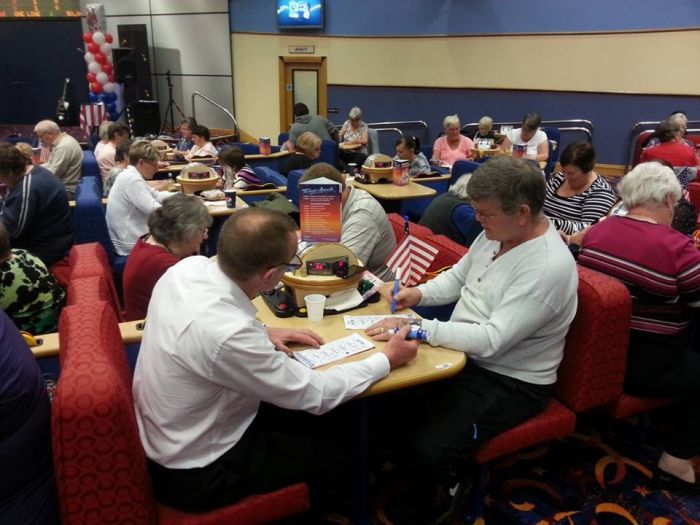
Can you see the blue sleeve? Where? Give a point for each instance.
(18, 213)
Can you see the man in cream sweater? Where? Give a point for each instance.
(516, 297)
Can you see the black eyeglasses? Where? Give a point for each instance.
(294, 264)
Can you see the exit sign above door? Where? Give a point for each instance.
(302, 50)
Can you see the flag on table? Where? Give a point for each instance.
(411, 259)
(91, 116)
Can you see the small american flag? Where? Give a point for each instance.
(412, 257)
(91, 116)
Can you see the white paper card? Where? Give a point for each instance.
(333, 351)
(362, 322)
(344, 300)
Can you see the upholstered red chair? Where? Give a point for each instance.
(101, 472)
(88, 290)
(591, 373)
(449, 253)
(90, 260)
(694, 195)
(414, 229)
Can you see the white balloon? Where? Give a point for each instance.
(102, 77)
(89, 57)
(108, 87)
(94, 67)
(98, 38)
(106, 49)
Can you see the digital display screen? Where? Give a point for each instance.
(299, 14)
(39, 9)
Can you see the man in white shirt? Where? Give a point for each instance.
(66, 157)
(206, 365)
(516, 293)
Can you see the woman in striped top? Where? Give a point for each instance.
(577, 197)
(661, 268)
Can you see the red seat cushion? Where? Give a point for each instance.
(61, 271)
(556, 421)
(628, 406)
(253, 510)
(90, 260)
(449, 252)
(414, 229)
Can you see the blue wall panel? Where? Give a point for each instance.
(468, 17)
(613, 115)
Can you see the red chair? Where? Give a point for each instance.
(449, 253)
(591, 373)
(694, 196)
(638, 143)
(100, 465)
(90, 260)
(416, 230)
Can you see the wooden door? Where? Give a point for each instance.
(302, 79)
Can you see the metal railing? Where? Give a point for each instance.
(396, 125)
(564, 125)
(648, 126)
(222, 108)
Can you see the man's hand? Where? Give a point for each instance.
(280, 337)
(406, 297)
(398, 350)
(380, 331)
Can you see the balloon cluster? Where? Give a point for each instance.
(100, 74)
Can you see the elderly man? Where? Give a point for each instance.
(516, 297)
(66, 157)
(365, 227)
(316, 124)
(206, 365)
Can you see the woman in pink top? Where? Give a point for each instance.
(452, 146)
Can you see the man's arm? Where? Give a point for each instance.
(360, 235)
(19, 212)
(332, 130)
(57, 162)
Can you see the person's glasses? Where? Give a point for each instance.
(152, 163)
(294, 264)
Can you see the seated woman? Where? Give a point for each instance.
(354, 132)
(485, 131)
(30, 294)
(36, 211)
(175, 231)
(186, 126)
(452, 215)
(202, 147)
(661, 267)
(104, 139)
(408, 148)
(132, 199)
(308, 149)
(682, 120)
(577, 196)
(672, 149)
(121, 159)
(237, 174)
(527, 141)
(452, 146)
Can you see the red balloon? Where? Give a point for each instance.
(107, 68)
(93, 48)
(108, 38)
(100, 58)
(111, 77)
(87, 37)
(96, 88)
(91, 78)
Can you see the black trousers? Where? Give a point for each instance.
(665, 366)
(441, 424)
(280, 448)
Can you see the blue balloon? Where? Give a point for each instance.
(113, 116)
(93, 98)
(111, 107)
(112, 97)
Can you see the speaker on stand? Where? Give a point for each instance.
(143, 117)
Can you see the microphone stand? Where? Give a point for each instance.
(169, 109)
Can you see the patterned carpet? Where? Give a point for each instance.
(584, 479)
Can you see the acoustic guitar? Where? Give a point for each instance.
(62, 107)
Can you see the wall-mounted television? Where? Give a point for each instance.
(299, 14)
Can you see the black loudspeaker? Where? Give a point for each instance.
(125, 70)
(144, 117)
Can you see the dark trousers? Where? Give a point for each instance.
(664, 366)
(280, 448)
(441, 424)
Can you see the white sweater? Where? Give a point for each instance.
(513, 313)
(131, 200)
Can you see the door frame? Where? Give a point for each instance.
(287, 64)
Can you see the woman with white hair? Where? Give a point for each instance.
(452, 146)
(661, 268)
(353, 136)
(485, 130)
(451, 214)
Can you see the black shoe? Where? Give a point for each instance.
(668, 481)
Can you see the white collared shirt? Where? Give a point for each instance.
(206, 363)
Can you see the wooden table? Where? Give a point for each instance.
(392, 192)
(433, 177)
(431, 364)
(276, 155)
(478, 153)
(350, 147)
(219, 209)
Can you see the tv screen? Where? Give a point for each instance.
(299, 14)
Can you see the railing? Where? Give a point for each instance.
(396, 125)
(645, 127)
(222, 108)
(564, 125)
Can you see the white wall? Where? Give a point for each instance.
(189, 38)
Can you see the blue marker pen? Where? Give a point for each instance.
(395, 291)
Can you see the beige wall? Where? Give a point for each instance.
(649, 63)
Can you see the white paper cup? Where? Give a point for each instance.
(315, 303)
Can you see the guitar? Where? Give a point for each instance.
(62, 108)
